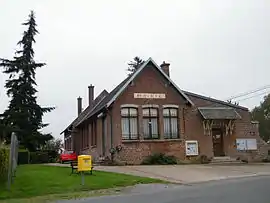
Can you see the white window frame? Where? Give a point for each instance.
(128, 117)
(170, 117)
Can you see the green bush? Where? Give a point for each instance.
(23, 156)
(159, 159)
(39, 157)
(4, 161)
(53, 156)
(266, 159)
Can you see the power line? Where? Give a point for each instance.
(241, 95)
(256, 95)
(249, 92)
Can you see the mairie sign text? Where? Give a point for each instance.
(149, 96)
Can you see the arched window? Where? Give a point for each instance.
(150, 123)
(170, 119)
(129, 123)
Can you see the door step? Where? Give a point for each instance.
(225, 160)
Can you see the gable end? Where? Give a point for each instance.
(129, 81)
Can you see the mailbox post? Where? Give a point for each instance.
(84, 164)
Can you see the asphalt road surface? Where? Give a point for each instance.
(241, 190)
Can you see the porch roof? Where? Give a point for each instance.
(219, 113)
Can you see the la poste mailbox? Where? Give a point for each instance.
(84, 163)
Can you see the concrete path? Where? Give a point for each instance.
(190, 173)
(186, 174)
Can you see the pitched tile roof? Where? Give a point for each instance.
(104, 101)
(108, 98)
(215, 100)
(218, 113)
(88, 110)
(131, 78)
(117, 91)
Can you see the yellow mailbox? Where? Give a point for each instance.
(84, 163)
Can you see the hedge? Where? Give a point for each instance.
(39, 157)
(4, 159)
(44, 156)
(23, 156)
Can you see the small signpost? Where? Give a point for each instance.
(82, 175)
(13, 157)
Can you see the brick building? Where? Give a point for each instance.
(148, 113)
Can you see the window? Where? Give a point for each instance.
(150, 123)
(85, 139)
(69, 143)
(87, 135)
(170, 123)
(129, 123)
(81, 139)
(94, 133)
(66, 143)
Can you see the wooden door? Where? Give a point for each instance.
(217, 138)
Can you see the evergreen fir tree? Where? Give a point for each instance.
(23, 114)
(134, 65)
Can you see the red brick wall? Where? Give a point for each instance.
(243, 129)
(194, 131)
(94, 139)
(149, 81)
(191, 127)
(190, 121)
(135, 152)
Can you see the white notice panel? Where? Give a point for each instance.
(241, 144)
(192, 148)
(252, 144)
(246, 144)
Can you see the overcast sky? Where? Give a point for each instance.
(218, 48)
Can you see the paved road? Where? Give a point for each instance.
(242, 190)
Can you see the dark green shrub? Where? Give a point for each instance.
(39, 157)
(159, 159)
(266, 159)
(23, 156)
(52, 154)
(4, 161)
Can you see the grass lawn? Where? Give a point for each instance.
(40, 180)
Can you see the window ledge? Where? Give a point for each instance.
(127, 141)
(85, 148)
(154, 140)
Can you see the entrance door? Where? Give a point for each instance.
(217, 142)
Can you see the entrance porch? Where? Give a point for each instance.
(219, 123)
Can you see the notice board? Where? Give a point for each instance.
(246, 144)
(192, 148)
(252, 144)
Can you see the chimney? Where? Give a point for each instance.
(79, 105)
(91, 94)
(166, 68)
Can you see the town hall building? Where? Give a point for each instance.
(148, 113)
